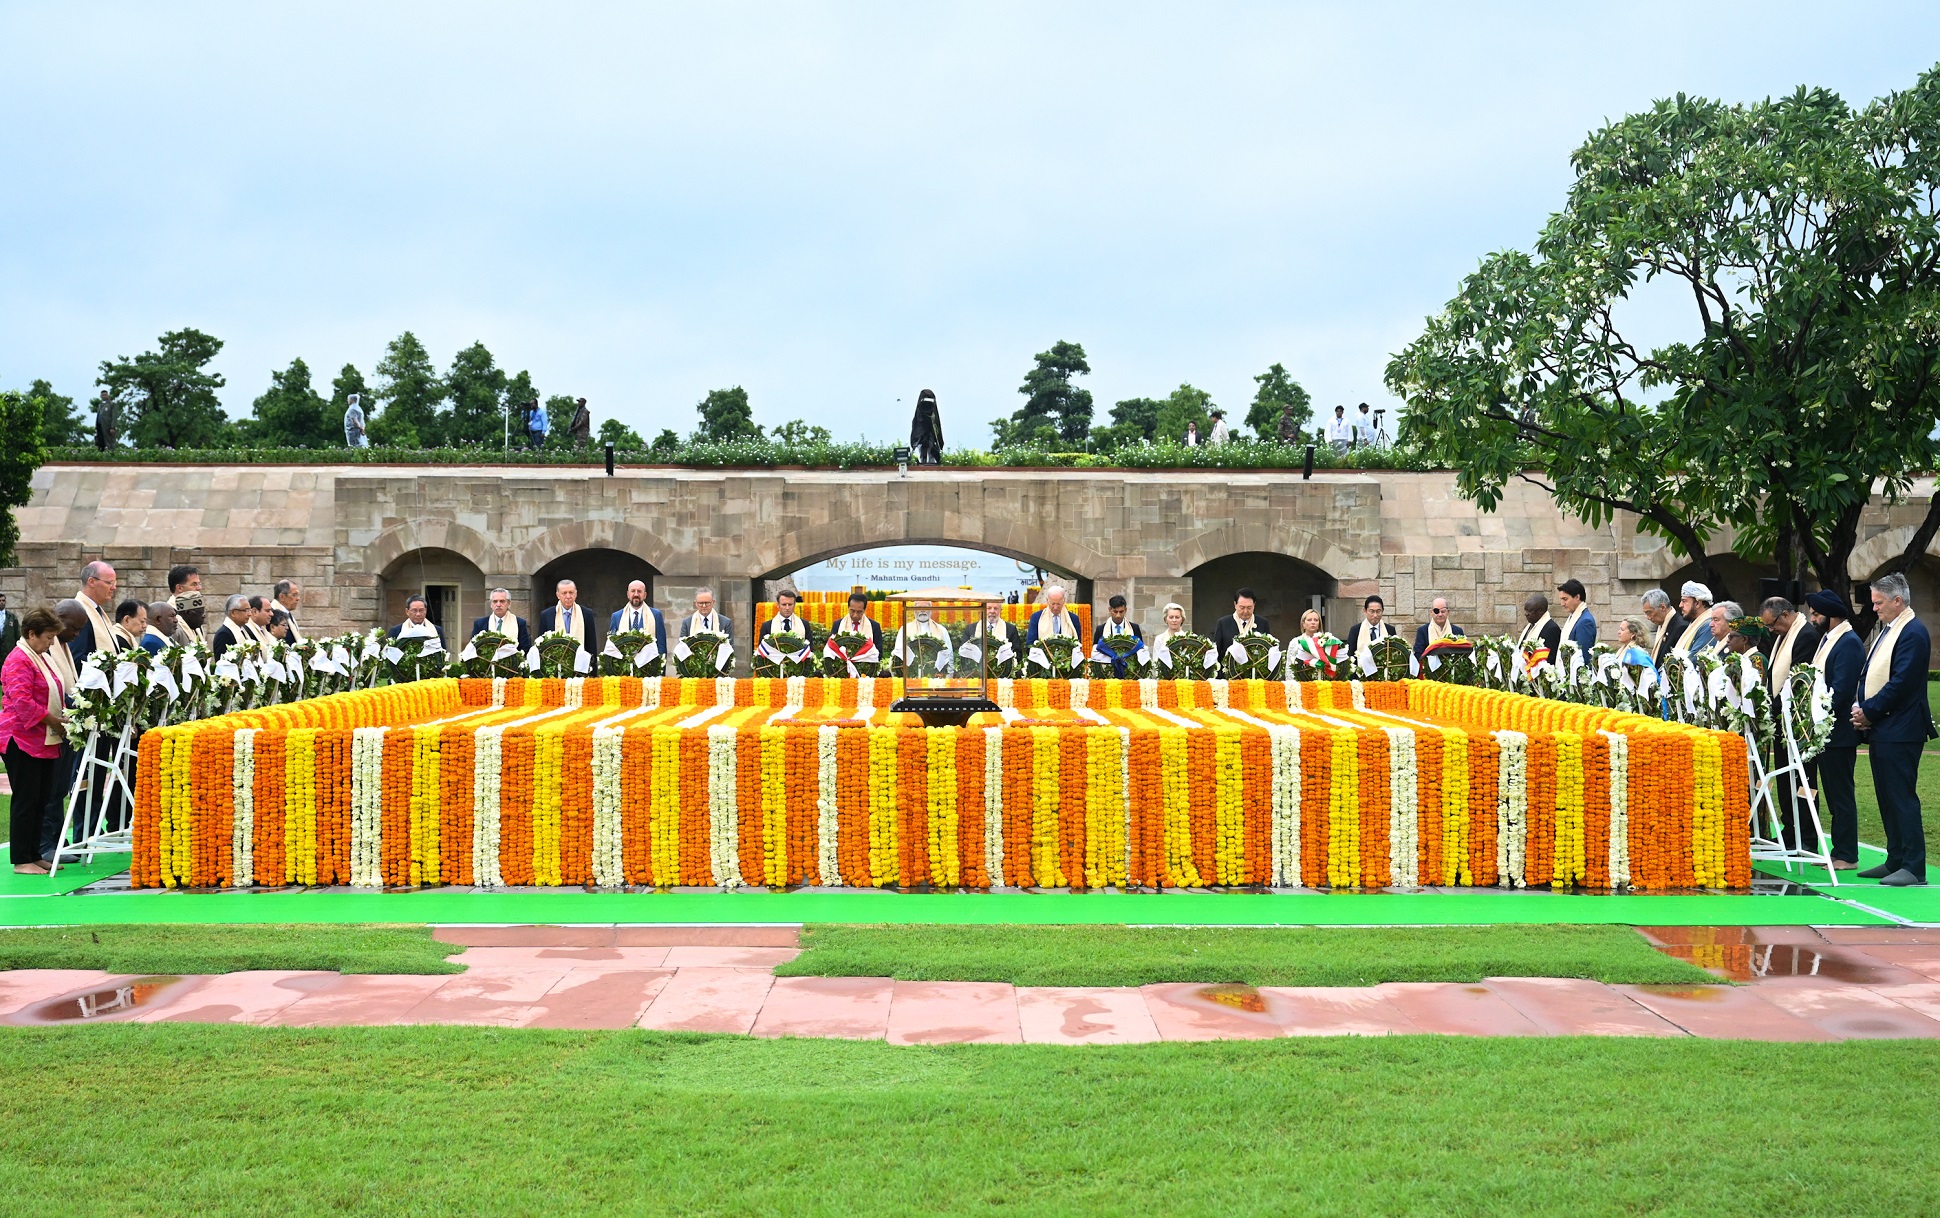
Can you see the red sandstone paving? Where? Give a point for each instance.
(597, 999)
(708, 936)
(848, 1008)
(1084, 1015)
(358, 1000)
(730, 957)
(1924, 997)
(954, 1013)
(1722, 1012)
(249, 997)
(1453, 1009)
(709, 1000)
(29, 986)
(1337, 1011)
(525, 936)
(1850, 1012)
(1928, 936)
(1912, 957)
(495, 997)
(1214, 1012)
(626, 958)
(1564, 1006)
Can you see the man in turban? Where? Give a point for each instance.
(1695, 607)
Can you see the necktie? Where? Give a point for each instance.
(636, 619)
(707, 623)
(569, 621)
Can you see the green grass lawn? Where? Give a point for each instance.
(227, 949)
(1928, 786)
(229, 1120)
(1125, 955)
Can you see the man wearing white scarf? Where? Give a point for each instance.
(638, 617)
(1371, 629)
(96, 598)
(1053, 621)
(920, 625)
(1579, 626)
(1841, 660)
(704, 620)
(288, 597)
(1542, 631)
(1893, 712)
(416, 625)
(1695, 605)
(501, 620)
(568, 616)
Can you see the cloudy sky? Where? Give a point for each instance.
(834, 205)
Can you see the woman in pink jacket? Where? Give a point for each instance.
(31, 720)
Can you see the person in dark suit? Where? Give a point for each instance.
(1542, 630)
(502, 621)
(235, 629)
(1840, 658)
(704, 620)
(1436, 627)
(1054, 620)
(1892, 711)
(858, 621)
(1371, 629)
(638, 615)
(1241, 622)
(1794, 640)
(785, 621)
(416, 625)
(1579, 624)
(162, 621)
(568, 616)
(1668, 623)
(1115, 625)
(993, 632)
(9, 627)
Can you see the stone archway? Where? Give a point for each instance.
(451, 582)
(1283, 588)
(1742, 574)
(601, 576)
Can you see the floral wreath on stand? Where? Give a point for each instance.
(1451, 659)
(632, 653)
(1119, 655)
(1318, 660)
(1187, 657)
(703, 655)
(1001, 665)
(490, 654)
(283, 667)
(848, 654)
(1393, 659)
(1256, 657)
(928, 656)
(367, 659)
(105, 700)
(784, 655)
(414, 659)
(558, 655)
(1055, 657)
(1807, 701)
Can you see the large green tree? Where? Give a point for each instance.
(1053, 407)
(167, 396)
(1800, 236)
(23, 421)
(475, 387)
(726, 415)
(1279, 395)
(292, 414)
(62, 423)
(1187, 404)
(411, 392)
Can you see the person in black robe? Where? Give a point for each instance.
(581, 430)
(926, 431)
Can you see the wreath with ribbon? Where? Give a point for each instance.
(703, 655)
(1254, 657)
(1187, 657)
(1119, 656)
(1316, 659)
(558, 655)
(848, 654)
(1054, 657)
(1000, 664)
(413, 659)
(1392, 657)
(1808, 704)
(490, 654)
(929, 656)
(632, 653)
(784, 655)
(1450, 659)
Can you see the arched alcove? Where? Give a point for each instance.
(1283, 587)
(1013, 570)
(452, 585)
(601, 576)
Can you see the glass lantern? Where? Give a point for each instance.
(944, 682)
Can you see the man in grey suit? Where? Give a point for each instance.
(704, 620)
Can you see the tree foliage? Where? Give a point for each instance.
(621, 437)
(411, 393)
(23, 423)
(292, 414)
(1187, 404)
(726, 415)
(1800, 235)
(1279, 397)
(1054, 409)
(61, 423)
(799, 431)
(167, 397)
(475, 386)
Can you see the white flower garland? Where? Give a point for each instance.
(724, 691)
(609, 860)
(1006, 694)
(498, 693)
(575, 694)
(865, 698)
(242, 846)
(1359, 695)
(367, 807)
(724, 819)
(650, 693)
(1148, 693)
(1080, 693)
(1404, 821)
(1285, 740)
(1512, 809)
(486, 756)
(993, 805)
(1619, 809)
(827, 861)
(1222, 693)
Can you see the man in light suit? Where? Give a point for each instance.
(501, 621)
(1053, 620)
(1239, 623)
(1892, 711)
(1841, 661)
(638, 615)
(704, 620)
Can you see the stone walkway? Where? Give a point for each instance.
(1802, 985)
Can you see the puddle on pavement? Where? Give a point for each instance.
(1756, 961)
(1238, 997)
(120, 999)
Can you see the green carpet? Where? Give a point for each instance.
(1468, 908)
(70, 877)
(1913, 904)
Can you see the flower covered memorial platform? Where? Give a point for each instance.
(778, 783)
